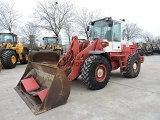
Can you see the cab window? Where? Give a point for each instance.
(117, 32)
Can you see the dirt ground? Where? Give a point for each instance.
(121, 99)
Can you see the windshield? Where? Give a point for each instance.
(148, 44)
(154, 44)
(102, 30)
(139, 44)
(51, 40)
(6, 38)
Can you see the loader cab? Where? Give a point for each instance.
(6, 38)
(109, 30)
(50, 40)
(52, 43)
(139, 45)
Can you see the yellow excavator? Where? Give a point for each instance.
(46, 81)
(11, 51)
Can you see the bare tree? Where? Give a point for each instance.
(69, 30)
(83, 18)
(147, 36)
(131, 31)
(156, 39)
(30, 29)
(30, 33)
(52, 15)
(8, 16)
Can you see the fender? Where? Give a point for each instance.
(96, 52)
(100, 52)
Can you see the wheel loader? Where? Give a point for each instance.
(144, 48)
(11, 51)
(51, 43)
(156, 47)
(148, 50)
(46, 82)
(140, 48)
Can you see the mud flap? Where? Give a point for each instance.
(43, 87)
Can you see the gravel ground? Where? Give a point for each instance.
(121, 99)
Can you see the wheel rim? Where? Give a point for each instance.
(135, 66)
(13, 59)
(101, 73)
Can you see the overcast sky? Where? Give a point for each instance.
(143, 12)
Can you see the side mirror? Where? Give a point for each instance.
(110, 23)
(123, 20)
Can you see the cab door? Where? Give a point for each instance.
(116, 37)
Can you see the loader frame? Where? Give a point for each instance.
(77, 53)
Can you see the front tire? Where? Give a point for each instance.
(96, 72)
(141, 52)
(133, 66)
(9, 59)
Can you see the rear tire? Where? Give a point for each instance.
(9, 59)
(25, 57)
(133, 66)
(96, 72)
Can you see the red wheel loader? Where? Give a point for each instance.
(46, 81)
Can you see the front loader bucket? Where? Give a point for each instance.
(43, 87)
(45, 56)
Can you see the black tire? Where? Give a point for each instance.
(91, 67)
(141, 52)
(146, 53)
(24, 57)
(133, 66)
(59, 51)
(9, 59)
